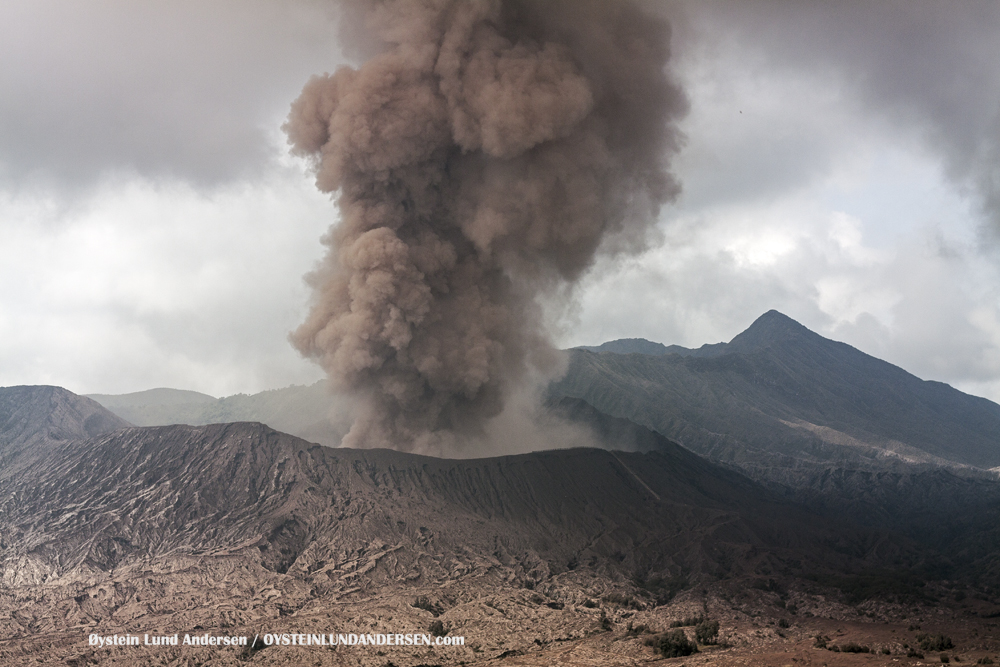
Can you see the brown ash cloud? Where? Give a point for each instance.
(480, 160)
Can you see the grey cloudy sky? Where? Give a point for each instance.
(842, 165)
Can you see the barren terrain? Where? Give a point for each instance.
(579, 556)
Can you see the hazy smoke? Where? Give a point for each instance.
(481, 159)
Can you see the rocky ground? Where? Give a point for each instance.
(575, 557)
(574, 618)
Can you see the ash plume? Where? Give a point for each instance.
(481, 159)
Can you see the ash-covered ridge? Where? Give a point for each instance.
(34, 419)
(137, 495)
(291, 506)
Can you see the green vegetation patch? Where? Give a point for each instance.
(672, 644)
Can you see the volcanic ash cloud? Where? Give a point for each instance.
(482, 159)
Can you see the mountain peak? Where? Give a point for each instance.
(770, 328)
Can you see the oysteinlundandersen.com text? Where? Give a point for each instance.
(283, 639)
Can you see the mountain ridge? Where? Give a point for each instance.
(779, 388)
(770, 328)
(310, 412)
(289, 506)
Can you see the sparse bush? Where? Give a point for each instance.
(821, 641)
(851, 647)
(945, 658)
(984, 661)
(936, 642)
(673, 644)
(783, 623)
(886, 650)
(635, 631)
(437, 629)
(590, 604)
(688, 622)
(913, 653)
(707, 632)
(606, 622)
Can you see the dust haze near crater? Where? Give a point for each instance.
(480, 160)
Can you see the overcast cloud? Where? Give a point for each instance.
(841, 165)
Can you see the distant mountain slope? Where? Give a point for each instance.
(778, 389)
(158, 407)
(308, 412)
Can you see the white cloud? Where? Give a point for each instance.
(147, 283)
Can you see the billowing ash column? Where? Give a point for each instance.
(483, 158)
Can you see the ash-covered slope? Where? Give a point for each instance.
(34, 419)
(165, 491)
(779, 394)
